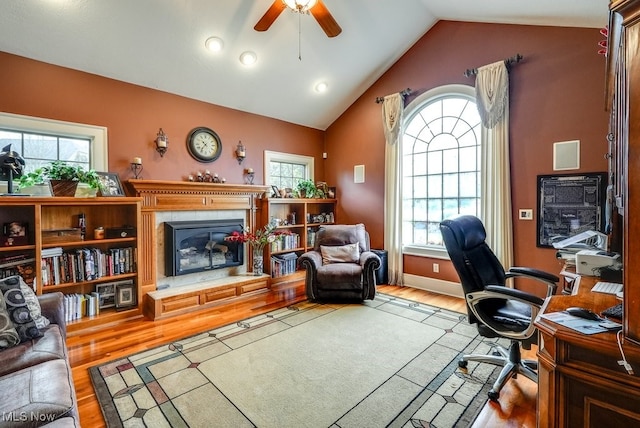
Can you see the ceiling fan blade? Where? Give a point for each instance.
(270, 16)
(324, 18)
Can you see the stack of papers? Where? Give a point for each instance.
(581, 325)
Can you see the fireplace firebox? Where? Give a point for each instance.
(196, 246)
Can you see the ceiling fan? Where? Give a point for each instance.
(315, 7)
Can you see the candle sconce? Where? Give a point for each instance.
(241, 153)
(136, 167)
(249, 175)
(162, 142)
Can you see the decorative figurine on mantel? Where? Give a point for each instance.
(207, 177)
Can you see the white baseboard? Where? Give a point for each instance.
(434, 285)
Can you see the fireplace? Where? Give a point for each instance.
(197, 246)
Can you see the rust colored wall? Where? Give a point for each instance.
(133, 115)
(557, 94)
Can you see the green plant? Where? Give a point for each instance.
(60, 170)
(306, 189)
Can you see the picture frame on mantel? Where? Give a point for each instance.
(111, 185)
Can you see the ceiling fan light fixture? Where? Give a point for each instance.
(248, 58)
(214, 44)
(300, 5)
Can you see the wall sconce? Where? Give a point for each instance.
(162, 142)
(240, 152)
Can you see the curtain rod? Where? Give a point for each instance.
(513, 60)
(404, 93)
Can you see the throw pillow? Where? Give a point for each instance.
(18, 309)
(349, 253)
(8, 335)
(33, 304)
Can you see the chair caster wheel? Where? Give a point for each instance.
(462, 364)
(493, 396)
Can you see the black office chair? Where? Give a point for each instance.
(497, 310)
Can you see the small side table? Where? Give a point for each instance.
(382, 275)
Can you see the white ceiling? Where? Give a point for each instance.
(160, 44)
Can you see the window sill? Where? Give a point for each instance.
(424, 251)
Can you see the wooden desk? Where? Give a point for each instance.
(580, 383)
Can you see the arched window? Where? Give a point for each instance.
(441, 158)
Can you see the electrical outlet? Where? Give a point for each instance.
(436, 268)
(526, 214)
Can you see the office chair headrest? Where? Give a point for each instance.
(468, 231)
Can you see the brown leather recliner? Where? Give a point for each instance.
(341, 265)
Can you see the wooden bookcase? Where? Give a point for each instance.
(623, 104)
(51, 223)
(301, 217)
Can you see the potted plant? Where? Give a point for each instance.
(62, 178)
(306, 189)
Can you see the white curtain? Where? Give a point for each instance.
(492, 98)
(392, 110)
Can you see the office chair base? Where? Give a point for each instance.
(511, 365)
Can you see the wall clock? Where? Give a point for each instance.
(204, 145)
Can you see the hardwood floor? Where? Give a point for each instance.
(517, 406)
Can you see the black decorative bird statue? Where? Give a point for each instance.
(12, 163)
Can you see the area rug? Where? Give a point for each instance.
(386, 362)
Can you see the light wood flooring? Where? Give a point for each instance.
(517, 406)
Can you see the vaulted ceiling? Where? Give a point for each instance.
(160, 44)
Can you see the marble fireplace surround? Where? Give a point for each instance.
(182, 201)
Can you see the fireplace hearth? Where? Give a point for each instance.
(197, 246)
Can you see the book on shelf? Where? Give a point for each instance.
(78, 306)
(283, 264)
(85, 264)
(19, 264)
(286, 242)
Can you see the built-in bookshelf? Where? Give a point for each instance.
(57, 250)
(301, 218)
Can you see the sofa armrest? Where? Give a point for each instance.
(369, 260)
(52, 305)
(310, 260)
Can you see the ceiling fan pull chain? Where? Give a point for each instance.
(299, 37)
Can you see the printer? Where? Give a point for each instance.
(590, 262)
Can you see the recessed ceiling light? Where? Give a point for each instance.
(248, 58)
(214, 44)
(322, 87)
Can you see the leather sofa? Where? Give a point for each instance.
(36, 387)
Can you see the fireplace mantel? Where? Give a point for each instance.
(161, 195)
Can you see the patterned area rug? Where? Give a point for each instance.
(387, 362)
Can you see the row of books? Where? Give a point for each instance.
(286, 242)
(77, 306)
(85, 264)
(283, 264)
(18, 264)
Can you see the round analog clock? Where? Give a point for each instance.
(204, 144)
